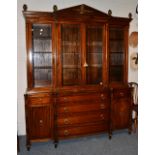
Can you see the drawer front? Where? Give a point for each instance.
(82, 130)
(83, 97)
(122, 93)
(39, 100)
(68, 120)
(78, 107)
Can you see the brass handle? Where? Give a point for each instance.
(66, 132)
(65, 109)
(66, 121)
(102, 116)
(121, 94)
(102, 106)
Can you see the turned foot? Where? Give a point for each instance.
(55, 145)
(28, 147)
(110, 136)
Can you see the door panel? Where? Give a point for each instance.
(116, 54)
(39, 120)
(42, 55)
(94, 54)
(71, 54)
(121, 108)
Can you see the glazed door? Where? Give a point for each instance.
(94, 54)
(116, 55)
(70, 54)
(40, 66)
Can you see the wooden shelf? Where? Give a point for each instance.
(116, 39)
(46, 52)
(116, 65)
(42, 67)
(71, 67)
(42, 38)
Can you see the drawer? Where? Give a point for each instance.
(84, 97)
(117, 93)
(68, 120)
(39, 100)
(82, 130)
(82, 107)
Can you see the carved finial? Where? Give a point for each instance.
(25, 7)
(82, 9)
(109, 12)
(130, 15)
(55, 8)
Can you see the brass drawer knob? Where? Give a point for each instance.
(65, 99)
(40, 121)
(65, 109)
(66, 121)
(66, 132)
(102, 106)
(40, 99)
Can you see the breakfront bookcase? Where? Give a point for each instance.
(77, 73)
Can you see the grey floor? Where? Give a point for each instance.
(121, 144)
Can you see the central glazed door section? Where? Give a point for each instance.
(94, 54)
(71, 54)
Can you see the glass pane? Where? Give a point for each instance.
(94, 52)
(71, 76)
(116, 59)
(71, 55)
(42, 76)
(116, 73)
(42, 54)
(42, 59)
(116, 63)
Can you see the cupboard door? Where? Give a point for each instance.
(42, 55)
(94, 54)
(121, 109)
(117, 55)
(71, 54)
(39, 122)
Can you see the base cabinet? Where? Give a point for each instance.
(68, 114)
(39, 118)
